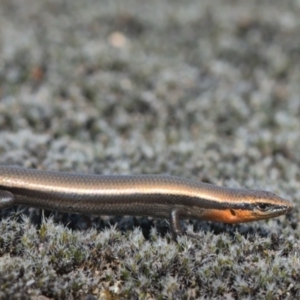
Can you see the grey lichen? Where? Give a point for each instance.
(66, 263)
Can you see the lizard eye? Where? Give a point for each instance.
(263, 206)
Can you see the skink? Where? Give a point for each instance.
(158, 196)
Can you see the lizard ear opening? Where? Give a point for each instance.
(232, 212)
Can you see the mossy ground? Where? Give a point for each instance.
(201, 89)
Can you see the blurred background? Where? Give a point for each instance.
(197, 88)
